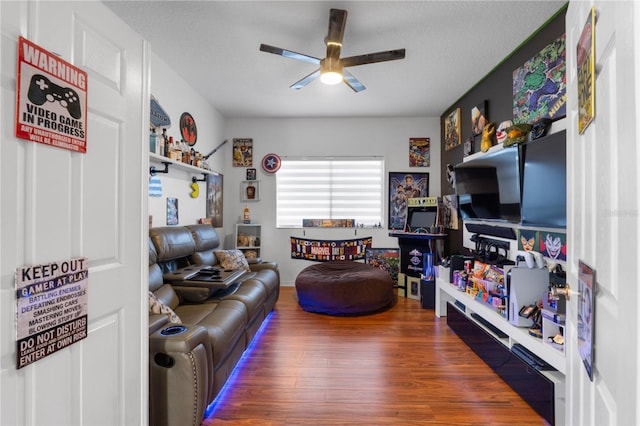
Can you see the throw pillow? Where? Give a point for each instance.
(232, 259)
(157, 307)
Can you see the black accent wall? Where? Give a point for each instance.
(497, 89)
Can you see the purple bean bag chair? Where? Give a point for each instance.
(344, 288)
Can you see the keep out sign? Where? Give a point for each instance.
(51, 309)
(51, 99)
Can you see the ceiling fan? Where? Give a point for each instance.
(333, 68)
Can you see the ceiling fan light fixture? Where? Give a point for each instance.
(333, 67)
(331, 71)
(331, 77)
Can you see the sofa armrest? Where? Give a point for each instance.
(255, 267)
(157, 321)
(181, 374)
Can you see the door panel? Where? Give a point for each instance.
(602, 206)
(61, 204)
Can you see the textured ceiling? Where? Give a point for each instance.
(450, 46)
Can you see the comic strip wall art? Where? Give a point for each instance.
(539, 85)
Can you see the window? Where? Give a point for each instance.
(330, 188)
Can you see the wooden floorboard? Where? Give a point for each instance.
(399, 367)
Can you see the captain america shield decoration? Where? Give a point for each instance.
(271, 163)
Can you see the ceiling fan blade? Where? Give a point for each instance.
(370, 58)
(289, 54)
(337, 22)
(305, 80)
(352, 82)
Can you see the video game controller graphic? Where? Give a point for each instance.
(42, 90)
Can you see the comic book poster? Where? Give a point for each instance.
(539, 85)
(215, 199)
(172, 211)
(242, 152)
(452, 132)
(586, 73)
(449, 210)
(478, 118)
(387, 259)
(419, 152)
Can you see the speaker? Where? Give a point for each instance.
(428, 294)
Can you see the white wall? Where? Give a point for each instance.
(176, 96)
(387, 137)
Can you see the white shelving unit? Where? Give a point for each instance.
(472, 309)
(446, 292)
(248, 239)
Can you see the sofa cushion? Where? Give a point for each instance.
(167, 295)
(204, 236)
(206, 240)
(156, 279)
(153, 255)
(225, 322)
(157, 307)
(172, 242)
(232, 259)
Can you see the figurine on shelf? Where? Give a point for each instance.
(487, 136)
(245, 215)
(251, 192)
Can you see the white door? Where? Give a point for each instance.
(603, 216)
(57, 205)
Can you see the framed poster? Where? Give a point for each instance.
(452, 133)
(419, 152)
(251, 174)
(539, 85)
(450, 211)
(214, 199)
(478, 118)
(413, 288)
(172, 211)
(403, 186)
(586, 311)
(586, 63)
(387, 259)
(242, 152)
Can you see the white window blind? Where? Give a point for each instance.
(335, 188)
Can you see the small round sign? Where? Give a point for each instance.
(271, 163)
(188, 129)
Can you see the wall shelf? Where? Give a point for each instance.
(247, 239)
(250, 190)
(160, 159)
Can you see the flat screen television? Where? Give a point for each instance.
(544, 182)
(488, 187)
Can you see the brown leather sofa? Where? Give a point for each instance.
(191, 361)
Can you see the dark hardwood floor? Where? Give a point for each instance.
(400, 367)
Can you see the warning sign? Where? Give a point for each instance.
(51, 308)
(51, 99)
